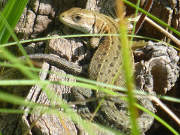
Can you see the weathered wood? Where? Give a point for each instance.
(40, 18)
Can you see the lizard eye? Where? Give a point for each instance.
(76, 18)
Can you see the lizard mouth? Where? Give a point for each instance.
(64, 20)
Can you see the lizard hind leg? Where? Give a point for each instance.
(115, 113)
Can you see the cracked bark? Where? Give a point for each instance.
(40, 18)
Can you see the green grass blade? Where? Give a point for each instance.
(12, 12)
(127, 64)
(6, 26)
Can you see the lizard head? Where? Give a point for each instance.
(79, 19)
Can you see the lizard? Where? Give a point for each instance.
(50, 60)
(104, 65)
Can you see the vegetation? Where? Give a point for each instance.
(9, 18)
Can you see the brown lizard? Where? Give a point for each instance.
(106, 64)
(109, 109)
